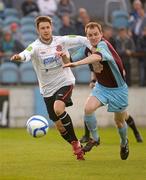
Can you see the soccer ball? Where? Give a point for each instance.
(37, 126)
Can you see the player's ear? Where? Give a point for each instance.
(52, 26)
(37, 30)
(87, 36)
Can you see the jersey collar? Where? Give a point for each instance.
(44, 42)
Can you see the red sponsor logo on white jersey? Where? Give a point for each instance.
(58, 48)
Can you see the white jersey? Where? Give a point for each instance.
(50, 73)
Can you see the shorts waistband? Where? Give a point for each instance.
(120, 87)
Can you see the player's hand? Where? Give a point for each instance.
(91, 85)
(15, 57)
(128, 52)
(60, 53)
(70, 65)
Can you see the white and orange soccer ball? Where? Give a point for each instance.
(37, 126)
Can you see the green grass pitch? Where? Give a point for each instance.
(23, 157)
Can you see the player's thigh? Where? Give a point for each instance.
(91, 104)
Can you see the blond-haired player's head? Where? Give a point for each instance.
(93, 32)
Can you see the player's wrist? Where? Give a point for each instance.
(76, 63)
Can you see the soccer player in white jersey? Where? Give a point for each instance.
(55, 82)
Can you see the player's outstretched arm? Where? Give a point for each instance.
(88, 60)
(15, 57)
(74, 64)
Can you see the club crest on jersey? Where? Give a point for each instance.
(58, 48)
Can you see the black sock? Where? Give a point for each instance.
(131, 124)
(66, 136)
(69, 134)
(87, 132)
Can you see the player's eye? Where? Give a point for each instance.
(89, 35)
(96, 34)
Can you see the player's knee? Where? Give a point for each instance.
(57, 112)
(119, 124)
(88, 110)
(59, 108)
